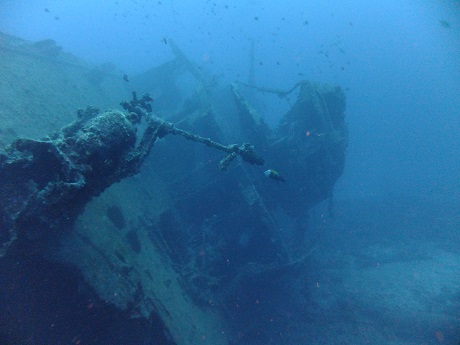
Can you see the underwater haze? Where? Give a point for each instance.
(398, 60)
(397, 203)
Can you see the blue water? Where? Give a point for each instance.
(399, 62)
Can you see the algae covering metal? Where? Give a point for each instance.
(182, 243)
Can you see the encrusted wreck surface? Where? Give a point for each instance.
(46, 183)
(179, 243)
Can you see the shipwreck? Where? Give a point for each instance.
(153, 222)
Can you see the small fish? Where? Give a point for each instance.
(274, 175)
(164, 40)
(125, 78)
(445, 24)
